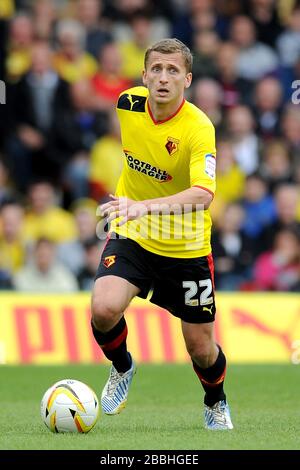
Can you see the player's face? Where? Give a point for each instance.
(166, 77)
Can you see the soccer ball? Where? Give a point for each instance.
(70, 406)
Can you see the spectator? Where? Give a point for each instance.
(106, 161)
(71, 61)
(3, 41)
(288, 43)
(231, 248)
(86, 277)
(121, 13)
(255, 59)
(81, 123)
(109, 82)
(205, 47)
(240, 124)
(7, 9)
(20, 41)
(79, 127)
(231, 180)
(197, 15)
(6, 190)
(124, 9)
(265, 17)
(235, 90)
(12, 243)
(259, 207)
(5, 280)
(279, 269)
(38, 100)
(207, 95)
(290, 128)
(267, 107)
(44, 274)
(44, 17)
(296, 180)
(44, 218)
(89, 14)
(276, 167)
(287, 213)
(71, 253)
(133, 50)
(226, 11)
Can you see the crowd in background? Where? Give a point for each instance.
(65, 62)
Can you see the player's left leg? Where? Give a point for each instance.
(209, 363)
(111, 297)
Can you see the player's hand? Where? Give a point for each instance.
(31, 137)
(122, 207)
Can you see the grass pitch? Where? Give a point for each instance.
(164, 409)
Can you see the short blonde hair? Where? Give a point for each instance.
(170, 46)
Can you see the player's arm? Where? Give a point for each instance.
(127, 209)
(193, 197)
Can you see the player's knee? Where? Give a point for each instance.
(200, 353)
(104, 313)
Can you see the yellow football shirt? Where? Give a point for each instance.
(133, 59)
(161, 159)
(7, 9)
(56, 224)
(106, 162)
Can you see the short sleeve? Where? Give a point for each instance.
(203, 158)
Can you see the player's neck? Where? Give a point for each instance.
(164, 111)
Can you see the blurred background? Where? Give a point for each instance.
(64, 64)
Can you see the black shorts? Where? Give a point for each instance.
(182, 286)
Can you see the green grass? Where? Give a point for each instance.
(164, 409)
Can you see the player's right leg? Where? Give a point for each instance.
(111, 296)
(209, 363)
(188, 293)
